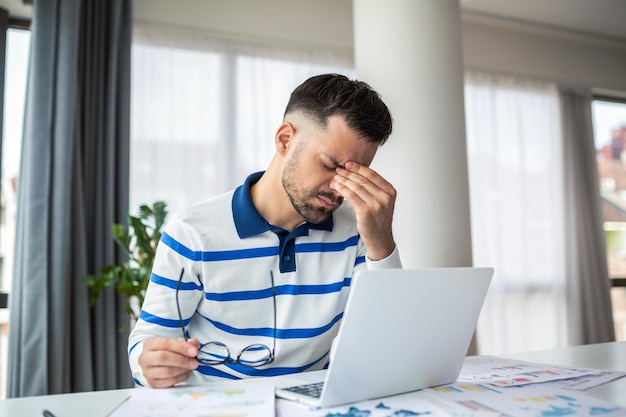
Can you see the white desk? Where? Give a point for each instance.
(610, 356)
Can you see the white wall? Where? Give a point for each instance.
(544, 54)
(488, 45)
(318, 23)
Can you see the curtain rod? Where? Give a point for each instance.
(612, 98)
(16, 23)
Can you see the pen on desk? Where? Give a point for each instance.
(47, 413)
(117, 406)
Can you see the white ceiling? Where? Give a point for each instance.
(595, 17)
(605, 18)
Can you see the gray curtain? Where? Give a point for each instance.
(588, 286)
(73, 185)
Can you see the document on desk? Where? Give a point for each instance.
(236, 398)
(416, 403)
(465, 399)
(524, 401)
(504, 372)
(583, 383)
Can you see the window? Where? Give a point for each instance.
(515, 179)
(204, 110)
(18, 46)
(609, 119)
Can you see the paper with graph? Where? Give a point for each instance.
(523, 401)
(416, 403)
(220, 399)
(510, 372)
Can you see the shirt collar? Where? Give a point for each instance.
(247, 219)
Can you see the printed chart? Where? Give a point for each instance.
(524, 401)
(412, 404)
(507, 372)
(248, 399)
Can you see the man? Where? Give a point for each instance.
(254, 282)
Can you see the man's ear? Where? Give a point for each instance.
(284, 135)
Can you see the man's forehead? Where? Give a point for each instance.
(336, 142)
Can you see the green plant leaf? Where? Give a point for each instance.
(160, 214)
(132, 275)
(121, 237)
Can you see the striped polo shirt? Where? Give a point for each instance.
(229, 254)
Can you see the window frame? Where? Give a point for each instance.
(617, 281)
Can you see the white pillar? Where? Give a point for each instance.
(410, 52)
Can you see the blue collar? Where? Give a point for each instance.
(250, 223)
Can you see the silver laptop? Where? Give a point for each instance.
(402, 330)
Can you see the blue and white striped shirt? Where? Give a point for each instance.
(227, 251)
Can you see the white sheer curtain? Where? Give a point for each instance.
(515, 163)
(205, 109)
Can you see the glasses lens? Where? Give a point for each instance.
(255, 355)
(213, 353)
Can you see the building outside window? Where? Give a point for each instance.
(609, 117)
(18, 46)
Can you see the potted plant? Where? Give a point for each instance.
(139, 242)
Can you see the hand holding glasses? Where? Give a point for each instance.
(216, 353)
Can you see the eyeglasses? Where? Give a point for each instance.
(216, 353)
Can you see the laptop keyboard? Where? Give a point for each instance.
(312, 390)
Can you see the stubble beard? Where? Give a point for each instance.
(300, 197)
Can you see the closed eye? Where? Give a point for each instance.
(330, 163)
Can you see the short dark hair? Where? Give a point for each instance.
(326, 95)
